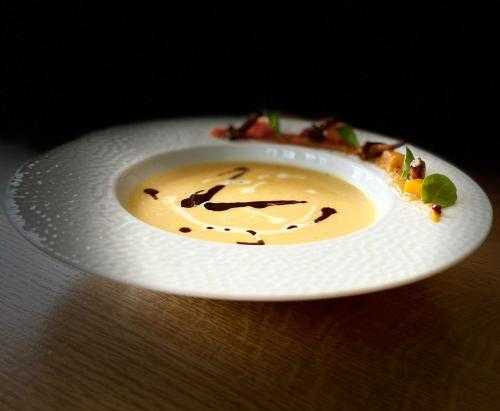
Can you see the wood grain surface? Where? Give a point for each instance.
(74, 341)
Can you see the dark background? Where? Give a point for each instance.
(422, 74)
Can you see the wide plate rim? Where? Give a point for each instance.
(274, 296)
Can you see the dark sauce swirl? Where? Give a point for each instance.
(260, 242)
(196, 198)
(203, 198)
(239, 172)
(152, 192)
(253, 204)
(325, 213)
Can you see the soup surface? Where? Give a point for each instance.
(251, 203)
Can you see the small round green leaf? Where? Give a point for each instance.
(439, 189)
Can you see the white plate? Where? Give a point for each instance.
(68, 203)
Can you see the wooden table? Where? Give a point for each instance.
(74, 341)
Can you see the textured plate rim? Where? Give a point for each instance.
(259, 296)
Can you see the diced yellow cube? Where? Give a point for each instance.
(414, 187)
(435, 216)
(390, 160)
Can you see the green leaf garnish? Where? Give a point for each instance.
(439, 189)
(274, 120)
(406, 163)
(348, 135)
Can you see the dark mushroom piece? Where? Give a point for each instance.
(317, 131)
(373, 150)
(236, 133)
(417, 168)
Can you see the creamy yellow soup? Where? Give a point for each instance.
(251, 203)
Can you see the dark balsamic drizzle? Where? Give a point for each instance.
(260, 242)
(200, 197)
(325, 213)
(152, 192)
(239, 172)
(254, 204)
(196, 198)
